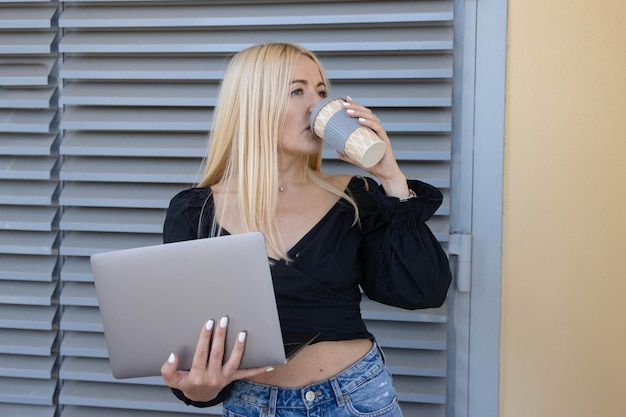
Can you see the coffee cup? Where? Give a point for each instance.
(331, 122)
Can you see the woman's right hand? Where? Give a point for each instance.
(208, 374)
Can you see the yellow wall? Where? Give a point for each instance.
(563, 346)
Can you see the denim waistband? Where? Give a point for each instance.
(332, 389)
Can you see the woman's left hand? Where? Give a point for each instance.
(387, 169)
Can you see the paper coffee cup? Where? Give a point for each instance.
(331, 123)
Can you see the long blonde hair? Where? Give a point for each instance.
(243, 144)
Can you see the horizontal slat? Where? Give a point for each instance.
(371, 67)
(409, 335)
(113, 220)
(38, 367)
(417, 362)
(212, 68)
(84, 344)
(27, 317)
(421, 147)
(421, 389)
(27, 391)
(22, 43)
(41, 98)
(321, 40)
(86, 244)
(134, 119)
(76, 269)
(27, 268)
(144, 94)
(150, 170)
(34, 193)
(395, 94)
(78, 411)
(202, 94)
(142, 397)
(140, 195)
(81, 319)
(256, 15)
(372, 310)
(79, 294)
(27, 342)
(27, 121)
(197, 119)
(26, 71)
(27, 243)
(27, 293)
(98, 370)
(423, 410)
(406, 147)
(135, 144)
(27, 168)
(31, 17)
(27, 144)
(38, 218)
(12, 410)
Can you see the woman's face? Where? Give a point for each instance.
(307, 89)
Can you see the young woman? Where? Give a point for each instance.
(327, 236)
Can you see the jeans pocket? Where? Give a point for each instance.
(233, 407)
(375, 398)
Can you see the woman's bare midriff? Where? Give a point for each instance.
(315, 363)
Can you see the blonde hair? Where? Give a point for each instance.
(243, 144)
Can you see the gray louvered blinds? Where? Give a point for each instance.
(29, 212)
(137, 85)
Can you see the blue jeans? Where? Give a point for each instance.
(364, 389)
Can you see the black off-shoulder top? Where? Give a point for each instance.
(390, 253)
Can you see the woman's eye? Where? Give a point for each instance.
(297, 92)
(322, 94)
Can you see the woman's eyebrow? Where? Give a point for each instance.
(305, 82)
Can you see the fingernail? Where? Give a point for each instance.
(242, 336)
(172, 358)
(349, 98)
(361, 119)
(223, 322)
(269, 369)
(345, 103)
(350, 111)
(209, 324)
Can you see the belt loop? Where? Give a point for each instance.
(337, 390)
(273, 400)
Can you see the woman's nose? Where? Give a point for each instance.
(316, 98)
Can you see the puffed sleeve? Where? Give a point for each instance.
(403, 263)
(187, 214)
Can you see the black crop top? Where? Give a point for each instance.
(390, 253)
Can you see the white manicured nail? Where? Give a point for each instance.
(350, 111)
(269, 369)
(242, 336)
(223, 322)
(209, 324)
(172, 358)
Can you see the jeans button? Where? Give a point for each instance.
(310, 396)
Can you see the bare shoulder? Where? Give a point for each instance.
(340, 181)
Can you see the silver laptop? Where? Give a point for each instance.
(154, 300)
